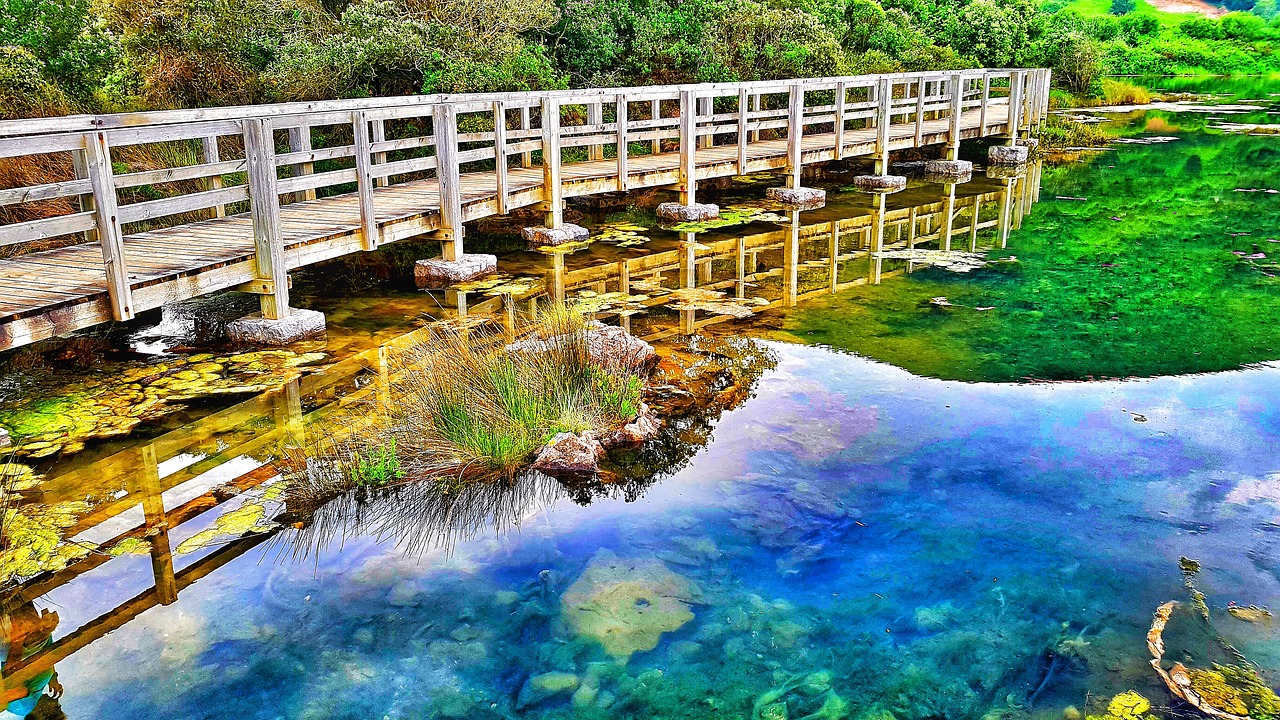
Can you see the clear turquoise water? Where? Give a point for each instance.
(928, 543)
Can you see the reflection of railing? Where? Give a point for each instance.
(832, 244)
(243, 214)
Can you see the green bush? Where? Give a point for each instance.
(24, 90)
(1139, 25)
(1243, 26)
(1201, 28)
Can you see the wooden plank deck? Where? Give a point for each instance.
(56, 291)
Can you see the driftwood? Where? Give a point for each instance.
(1178, 678)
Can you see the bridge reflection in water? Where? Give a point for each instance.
(166, 489)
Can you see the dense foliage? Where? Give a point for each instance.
(62, 55)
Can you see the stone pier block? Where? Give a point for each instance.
(951, 168)
(259, 331)
(440, 273)
(542, 236)
(696, 212)
(1007, 154)
(4, 438)
(801, 197)
(1004, 172)
(880, 183)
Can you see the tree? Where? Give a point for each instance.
(1122, 7)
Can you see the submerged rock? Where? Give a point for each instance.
(644, 427)
(546, 686)
(626, 605)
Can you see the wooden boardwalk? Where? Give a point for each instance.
(124, 267)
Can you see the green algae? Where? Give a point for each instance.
(1155, 266)
(32, 539)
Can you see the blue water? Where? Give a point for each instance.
(860, 540)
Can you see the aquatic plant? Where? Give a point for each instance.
(1121, 92)
(1126, 706)
(473, 402)
(1057, 133)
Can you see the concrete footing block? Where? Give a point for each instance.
(954, 168)
(1007, 154)
(440, 273)
(542, 236)
(255, 329)
(880, 183)
(800, 197)
(696, 212)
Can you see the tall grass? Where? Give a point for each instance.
(1120, 92)
(465, 405)
(1059, 134)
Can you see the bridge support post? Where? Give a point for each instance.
(107, 220)
(956, 112)
(882, 181)
(276, 323)
(555, 231)
(1012, 153)
(794, 194)
(877, 240)
(688, 209)
(454, 266)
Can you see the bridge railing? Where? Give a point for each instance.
(105, 177)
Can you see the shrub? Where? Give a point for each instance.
(1122, 7)
(24, 89)
(1243, 26)
(1137, 25)
(1201, 28)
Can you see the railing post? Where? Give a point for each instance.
(655, 113)
(755, 108)
(986, 98)
(80, 163)
(795, 134)
(377, 134)
(688, 157)
(743, 115)
(595, 116)
(921, 92)
(552, 193)
(500, 153)
(840, 100)
(444, 126)
(884, 95)
(956, 112)
(1015, 106)
(264, 205)
(526, 157)
(300, 141)
(706, 108)
(211, 156)
(364, 180)
(621, 116)
(107, 219)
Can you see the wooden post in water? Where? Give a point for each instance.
(740, 287)
(264, 207)
(299, 141)
(791, 261)
(444, 126)
(833, 256)
(973, 226)
(364, 180)
(157, 524)
(552, 192)
(210, 147)
(877, 239)
(795, 134)
(687, 175)
(107, 220)
(948, 215)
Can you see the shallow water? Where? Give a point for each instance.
(869, 533)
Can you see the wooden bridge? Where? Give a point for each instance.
(247, 194)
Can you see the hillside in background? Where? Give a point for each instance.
(61, 56)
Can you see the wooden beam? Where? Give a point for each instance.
(377, 134)
(80, 163)
(841, 92)
(884, 98)
(795, 133)
(107, 219)
(986, 99)
(444, 125)
(299, 141)
(706, 109)
(214, 182)
(526, 158)
(920, 96)
(687, 174)
(655, 113)
(264, 205)
(500, 154)
(956, 112)
(623, 149)
(364, 181)
(552, 188)
(595, 116)
(743, 115)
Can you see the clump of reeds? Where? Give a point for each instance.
(1059, 134)
(1120, 92)
(469, 404)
